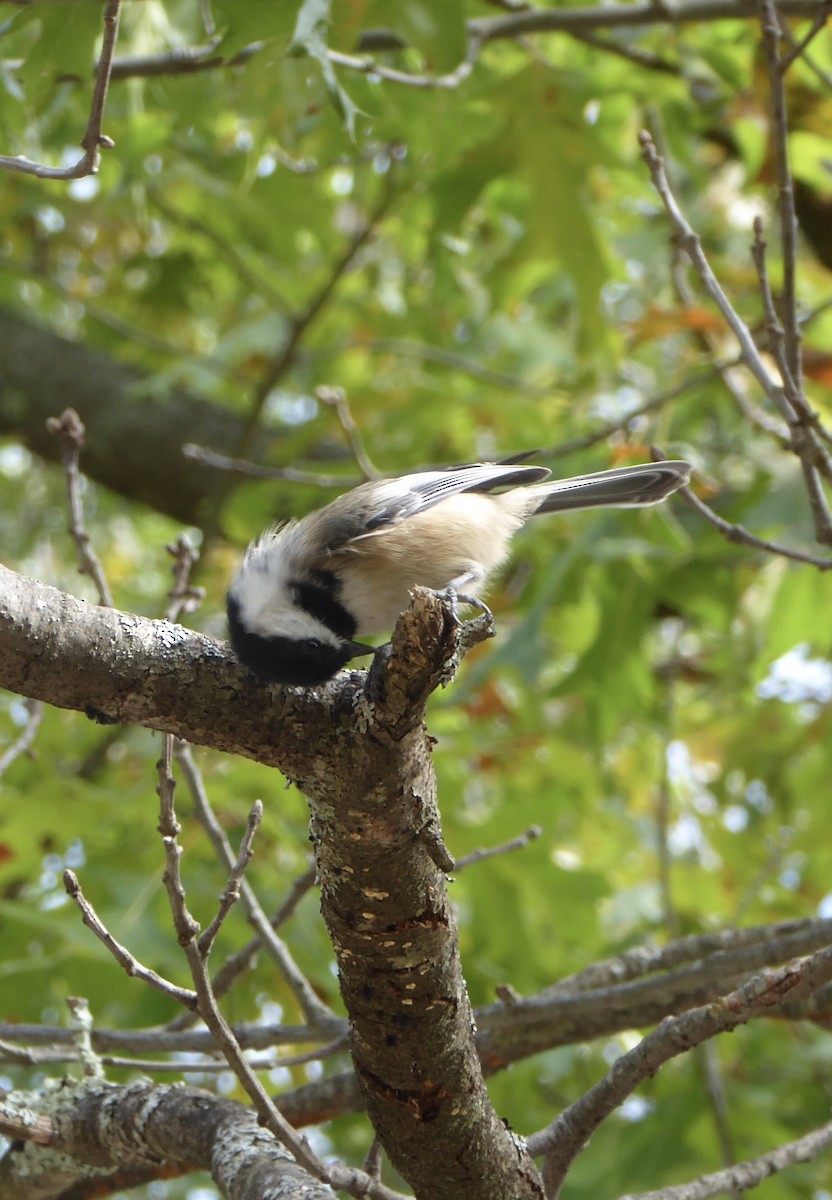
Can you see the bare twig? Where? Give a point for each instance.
(237, 964)
(22, 744)
(283, 360)
(93, 139)
(123, 956)
(478, 856)
(774, 328)
(791, 405)
(231, 893)
(222, 462)
(619, 424)
(355, 1182)
(313, 1009)
(691, 243)
(69, 428)
(740, 536)
(336, 398)
(732, 379)
(268, 1062)
(421, 352)
(81, 1024)
(182, 61)
(783, 939)
(746, 1174)
(707, 1058)
(183, 596)
(813, 456)
(633, 54)
(798, 48)
(625, 16)
(373, 1159)
(785, 190)
(570, 1132)
(370, 66)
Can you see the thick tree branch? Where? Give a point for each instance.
(100, 1125)
(570, 1132)
(41, 374)
(366, 772)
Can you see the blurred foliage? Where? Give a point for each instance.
(517, 292)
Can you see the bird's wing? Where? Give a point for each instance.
(381, 505)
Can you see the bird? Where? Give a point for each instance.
(307, 588)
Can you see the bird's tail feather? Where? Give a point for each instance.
(622, 487)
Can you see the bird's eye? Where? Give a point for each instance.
(312, 644)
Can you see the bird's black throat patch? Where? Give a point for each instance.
(298, 662)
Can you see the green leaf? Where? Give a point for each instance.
(310, 37)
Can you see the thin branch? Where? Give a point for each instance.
(369, 66)
(646, 960)
(691, 243)
(183, 596)
(746, 1174)
(270, 1062)
(81, 1024)
(632, 54)
(812, 455)
(335, 1175)
(479, 856)
(221, 462)
(244, 960)
(336, 398)
(569, 1133)
(69, 428)
(785, 190)
(285, 358)
(707, 1058)
(732, 379)
(93, 139)
(421, 352)
(231, 892)
(619, 424)
(791, 405)
(521, 20)
(798, 48)
(740, 536)
(314, 1010)
(774, 327)
(664, 801)
(186, 61)
(625, 16)
(120, 953)
(23, 743)
(228, 247)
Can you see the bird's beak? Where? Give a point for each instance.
(357, 650)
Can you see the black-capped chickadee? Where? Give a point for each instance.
(307, 588)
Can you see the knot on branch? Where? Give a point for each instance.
(427, 646)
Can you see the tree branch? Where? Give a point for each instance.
(40, 372)
(93, 139)
(746, 1174)
(569, 1134)
(366, 771)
